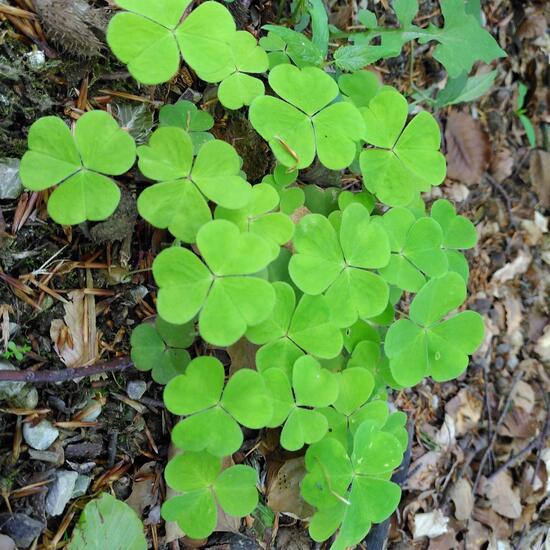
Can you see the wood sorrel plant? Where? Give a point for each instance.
(317, 291)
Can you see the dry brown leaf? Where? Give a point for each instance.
(543, 345)
(445, 542)
(463, 499)
(539, 170)
(511, 270)
(430, 524)
(502, 165)
(283, 492)
(468, 148)
(524, 396)
(498, 525)
(518, 424)
(503, 497)
(143, 493)
(423, 472)
(476, 535)
(465, 409)
(533, 25)
(75, 337)
(243, 355)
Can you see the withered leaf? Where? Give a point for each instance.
(539, 170)
(468, 148)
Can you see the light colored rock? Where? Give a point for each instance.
(81, 485)
(60, 492)
(8, 390)
(40, 436)
(7, 543)
(136, 388)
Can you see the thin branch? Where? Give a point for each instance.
(51, 376)
(517, 378)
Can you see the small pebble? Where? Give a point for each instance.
(60, 492)
(41, 436)
(136, 388)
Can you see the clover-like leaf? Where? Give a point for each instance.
(424, 346)
(160, 348)
(291, 197)
(359, 87)
(303, 123)
(351, 493)
(313, 386)
(292, 329)
(151, 38)
(187, 116)
(239, 88)
(458, 232)
(179, 201)
(213, 412)
(202, 483)
(259, 217)
(416, 249)
(406, 159)
(80, 165)
(227, 299)
(341, 266)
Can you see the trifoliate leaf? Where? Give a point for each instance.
(339, 266)
(304, 123)
(458, 232)
(406, 158)
(359, 87)
(313, 385)
(78, 164)
(178, 202)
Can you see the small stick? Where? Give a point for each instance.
(51, 376)
(517, 378)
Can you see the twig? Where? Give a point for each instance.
(517, 378)
(507, 200)
(50, 376)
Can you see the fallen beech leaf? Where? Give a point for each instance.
(463, 498)
(539, 170)
(430, 524)
(518, 424)
(468, 149)
(75, 337)
(533, 25)
(503, 498)
(498, 525)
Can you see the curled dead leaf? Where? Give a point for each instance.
(463, 499)
(465, 409)
(503, 497)
(468, 148)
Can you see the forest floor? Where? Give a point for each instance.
(480, 465)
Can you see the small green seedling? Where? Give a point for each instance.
(14, 351)
(79, 164)
(520, 113)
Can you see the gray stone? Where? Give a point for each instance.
(41, 436)
(60, 492)
(26, 399)
(21, 528)
(135, 389)
(81, 486)
(9, 390)
(7, 543)
(10, 184)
